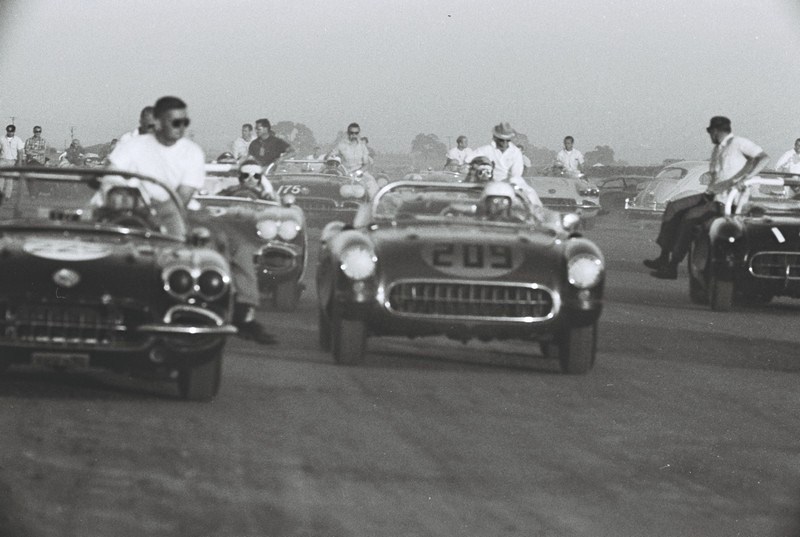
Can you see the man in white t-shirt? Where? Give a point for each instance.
(147, 125)
(569, 160)
(241, 145)
(458, 156)
(180, 163)
(790, 161)
(12, 148)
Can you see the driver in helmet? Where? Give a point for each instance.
(333, 165)
(481, 170)
(496, 201)
(252, 183)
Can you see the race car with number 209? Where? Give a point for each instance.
(423, 259)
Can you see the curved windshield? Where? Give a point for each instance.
(459, 203)
(92, 201)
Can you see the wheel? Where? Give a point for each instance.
(720, 294)
(324, 330)
(286, 296)
(200, 381)
(697, 293)
(576, 349)
(348, 339)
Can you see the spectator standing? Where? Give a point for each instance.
(147, 125)
(790, 161)
(241, 145)
(354, 154)
(267, 148)
(569, 160)
(460, 155)
(12, 148)
(36, 148)
(734, 159)
(506, 156)
(74, 153)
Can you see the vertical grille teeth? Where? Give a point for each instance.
(471, 300)
(776, 265)
(316, 204)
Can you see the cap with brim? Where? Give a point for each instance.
(503, 131)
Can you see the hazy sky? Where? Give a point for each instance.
(642, 77)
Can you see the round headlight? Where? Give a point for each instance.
(288, 230)
(212, 284)
(268, 229)
(358, 263)
(584, 271)
(178, 282)
(346, 191)
(359, 191)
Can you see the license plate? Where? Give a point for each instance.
(71, 360)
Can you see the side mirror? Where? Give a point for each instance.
(287, 200)
(200, 236)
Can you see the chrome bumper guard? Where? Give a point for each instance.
(217, 326)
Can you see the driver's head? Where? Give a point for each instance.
(332, 161)
(121, 198)
(481, 170)
(497, 199)
(250, 173)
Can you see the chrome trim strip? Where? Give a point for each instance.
(556, 298)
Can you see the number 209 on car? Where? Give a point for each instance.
(472, 259)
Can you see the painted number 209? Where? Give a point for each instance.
(472, 256)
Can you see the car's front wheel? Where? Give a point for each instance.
(286, 296)
(200, 381)
(323, 329)
(348, 339)
(577, 348)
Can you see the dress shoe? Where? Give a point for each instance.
(254, 331)
(666, 272)
(656, 263)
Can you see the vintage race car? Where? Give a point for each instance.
(751, 253)
(323, 195)
(673, 182)
(276, 235)
(568, 195)
(616, 189)
(101, 269)
(420, 260)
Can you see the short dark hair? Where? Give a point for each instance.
(248, 125)
(35, 127)
(570, 138)
(365, 139)
(353, 126)
(165, 104)
(460, 137)
(798, 140)
(264, 123)
(148, 110)
(11, 128)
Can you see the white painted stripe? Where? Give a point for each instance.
(778, 235)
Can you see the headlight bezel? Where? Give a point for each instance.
(585, 271)
(358, 262)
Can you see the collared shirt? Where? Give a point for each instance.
(35, 149)
(10, 148)
(507, 164)
(461, 156)
(241, 147)
(354, 155)
(730, 156)
(789, 162)
(570, 160)
(266, 151)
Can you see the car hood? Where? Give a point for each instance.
(54, 266)
(517, 254)
(310, 185)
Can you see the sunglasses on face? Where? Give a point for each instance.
(37, 132)
(178, 123)
(244, 176)
(354, 133)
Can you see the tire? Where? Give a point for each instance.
(323, 330)
(201, 381)
(348, 339)
(697, 293)
(720, 294)
(286, 296)
(576, 349)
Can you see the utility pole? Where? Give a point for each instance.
(12, 119)
(71, 133)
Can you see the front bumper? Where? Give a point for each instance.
(279, 262)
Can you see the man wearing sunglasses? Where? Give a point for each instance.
(252, 183)
(147, 125)
(36, 148)
(354, 154)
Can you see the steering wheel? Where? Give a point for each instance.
(130, 220)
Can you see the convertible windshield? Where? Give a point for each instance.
(449, 203)
(120, 202)
(765, 197)
(297, 166)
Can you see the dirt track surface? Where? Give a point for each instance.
(687, 426)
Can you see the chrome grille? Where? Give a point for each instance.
(776, 265)
(316, 204)
(559, 202)
(472, 300)
(68, 325)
